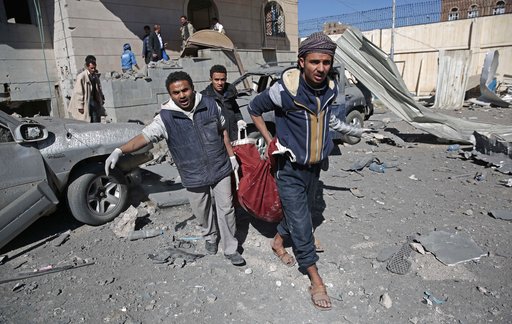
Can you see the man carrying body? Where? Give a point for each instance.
(87, 99)
(225, 95)
(186, 30)
(301, 100)
(193, 127)
(155, 44)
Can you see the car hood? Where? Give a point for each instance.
(67, 135)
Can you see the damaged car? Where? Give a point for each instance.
(352, 105)
(47, 160)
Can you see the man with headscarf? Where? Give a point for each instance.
(301, 101)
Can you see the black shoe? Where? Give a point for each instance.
(211, 247)
(235, 258)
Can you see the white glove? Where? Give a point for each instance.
(241, 124)
(234, 163)
(235, 166)
(112, 159)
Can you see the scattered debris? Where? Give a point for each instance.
(398, 263)
(356, 192)
(430, 299)
(413, 177)
(377, 167)
(170, 254)
(453, 148)
(124, 224)
(506, 183)
(45, 270)
(501, 214)
(417, 247)
(386, 301)
(450, 248)
(147, 233)
(63, 237)
(363, 163)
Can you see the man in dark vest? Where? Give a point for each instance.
(194, 128)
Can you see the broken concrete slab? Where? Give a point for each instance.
(451, 248)
(501, 214)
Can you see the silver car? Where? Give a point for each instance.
(46, 160)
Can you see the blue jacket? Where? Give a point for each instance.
(128, 60)
(302, 115)
(197, 146)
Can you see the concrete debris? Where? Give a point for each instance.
(501, 214)
(386, 301)
(124, 224)
(356, 192)
(488, 80)
(143, 234)
(506, 182)
(62, 238)
(451, 248)
(170, 254)
(417, 247)
(430, 299)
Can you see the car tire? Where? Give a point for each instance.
(356, 119)
(94, 198)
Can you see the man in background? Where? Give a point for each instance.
(87, 99)
(186, 30)
(225, 95)
(155, 44)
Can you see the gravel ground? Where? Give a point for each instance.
(427, 189)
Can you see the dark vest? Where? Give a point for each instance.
(197, 146)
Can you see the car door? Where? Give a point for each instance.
(24, 191)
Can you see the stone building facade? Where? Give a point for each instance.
(464, 9)
(43, 43)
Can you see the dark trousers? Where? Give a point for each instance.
(94, 112)
(297, 187)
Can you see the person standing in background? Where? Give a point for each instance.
(87, 99)
(146, 54)
(186, 30)
(217, 26)
(156, 44)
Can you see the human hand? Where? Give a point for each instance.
(241, 124)
(80, 110)
(112, 159)
(234, 163)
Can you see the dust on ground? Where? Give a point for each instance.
(426, 189)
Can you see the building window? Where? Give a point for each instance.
(17, 11)
(454, 14)
(500, 8)
(473, 11)
(274, 19)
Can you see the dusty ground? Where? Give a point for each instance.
(124, 286)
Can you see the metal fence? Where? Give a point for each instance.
(406, 15)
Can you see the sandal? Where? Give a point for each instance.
(286, 258)
(319, 294)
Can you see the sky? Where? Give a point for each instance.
(309, 9)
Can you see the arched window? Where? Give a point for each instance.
(454, 14)
(274, 20)
(499, 9)
(473, 11)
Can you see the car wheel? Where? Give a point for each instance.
(353, 118)
(95, 198)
